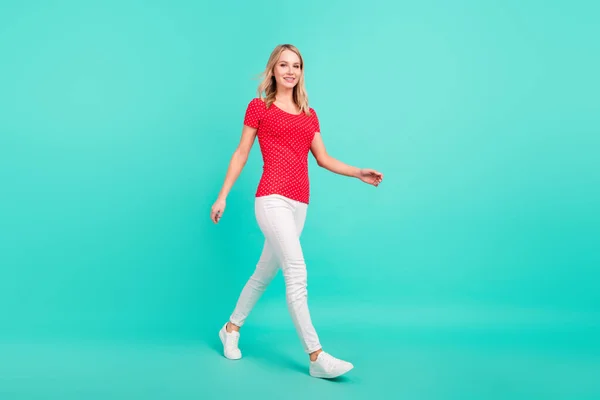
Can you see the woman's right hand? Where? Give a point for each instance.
(217, 210)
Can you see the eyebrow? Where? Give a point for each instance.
(296, 63)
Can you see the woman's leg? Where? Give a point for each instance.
(265, 271)
(281, 220)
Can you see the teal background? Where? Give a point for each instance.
(471, 272)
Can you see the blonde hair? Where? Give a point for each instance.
(267, 90)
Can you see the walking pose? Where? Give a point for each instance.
(287, 129)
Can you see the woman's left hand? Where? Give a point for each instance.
(370, 176)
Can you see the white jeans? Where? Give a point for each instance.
(281, 221)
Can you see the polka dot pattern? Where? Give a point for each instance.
(284, 141)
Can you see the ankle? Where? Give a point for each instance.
(231, 327)
(315, 354)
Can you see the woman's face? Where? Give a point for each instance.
(287, 71)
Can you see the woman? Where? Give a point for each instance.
(287, 128)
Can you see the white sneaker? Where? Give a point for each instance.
(230, 343)
(327, 366)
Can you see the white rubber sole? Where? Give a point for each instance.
(331, 376)
(222, 337)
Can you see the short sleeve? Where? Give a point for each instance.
(315, 119)
(254, 113)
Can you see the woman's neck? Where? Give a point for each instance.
(285, 96)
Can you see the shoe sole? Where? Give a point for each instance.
(223, 343)
(329, 376)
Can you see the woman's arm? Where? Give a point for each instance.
(324, 160)
(236, 164)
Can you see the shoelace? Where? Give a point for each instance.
(328, 360)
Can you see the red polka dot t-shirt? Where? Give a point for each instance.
(284, 141)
